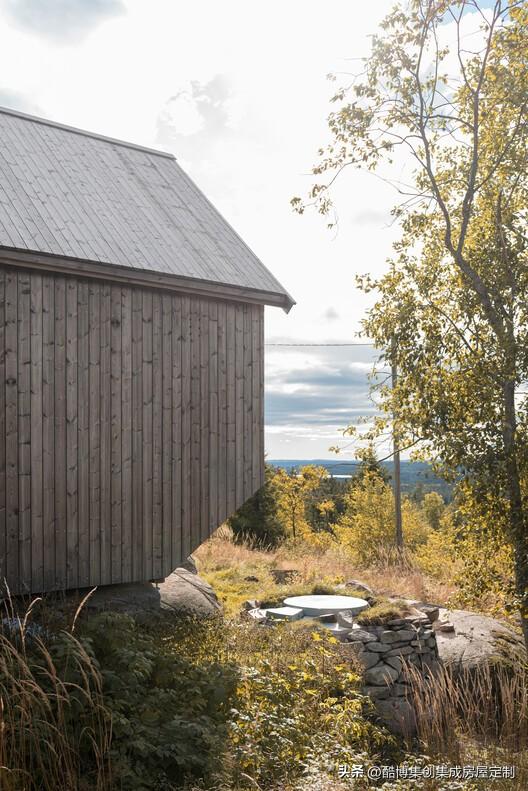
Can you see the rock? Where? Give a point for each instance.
(251, 604)
(430, 610)
(257, 615)
(345, 619)
(366, 659)
(446, 627)
(404, 650)
(394, 662)
(185, 592)
(477, 640)
(398, 715)
(359, 586)
(285, 613)
(397, 622)
(376, 693)
(381, 675)
(389, 636)
(362, 635)
(430, 662)
(379, 648)
(398, 690)
(283, 576)
(328, 617)
(405, 635)
(251, 578)
(356, 646)
(418, 622)
(189, 565)
(182, 592)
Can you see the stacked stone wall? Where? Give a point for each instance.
(384, 652)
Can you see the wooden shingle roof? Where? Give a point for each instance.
(73, 200)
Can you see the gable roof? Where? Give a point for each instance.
(74, 200)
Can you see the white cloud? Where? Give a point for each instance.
(238, 91)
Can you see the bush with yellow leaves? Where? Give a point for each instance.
(366, 530)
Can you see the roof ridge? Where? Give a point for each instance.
(85, 133)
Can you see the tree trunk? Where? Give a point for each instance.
(517, 516)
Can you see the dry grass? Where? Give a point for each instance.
(229, 568)
(51, 716)
(479, 717)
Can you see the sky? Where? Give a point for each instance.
(238, 91)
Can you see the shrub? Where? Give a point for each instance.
(298, 704)
(169, 714)
(366, 531)
(257, 522)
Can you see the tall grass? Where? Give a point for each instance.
(55, 730)
(479, 712)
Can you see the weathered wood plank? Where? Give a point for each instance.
(255, 399)
(231, 365)
(195, 426)
(24, 430)
(60, 433)
(157, 438)
(37, 545)
(147, 436)
(184, 304)
(248, 404)
(105, 441)
(239, 405)
(126, 435)
(95, 431)
(137, 434)
(116, 396)
(11, 410)
(83, 424)
(261, 405)
(168, 427)
(48, 430)
(3, 526)
(212, 522)
(72, 435)
(204, 420)
(222, 413)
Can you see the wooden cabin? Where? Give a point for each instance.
(131, 360)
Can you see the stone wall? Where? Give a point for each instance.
(383, 651)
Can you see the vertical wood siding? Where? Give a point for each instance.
(131, 426)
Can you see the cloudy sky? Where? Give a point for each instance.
(238, 91)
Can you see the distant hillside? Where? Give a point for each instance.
(413, 473)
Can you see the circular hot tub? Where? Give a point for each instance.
(323, 604)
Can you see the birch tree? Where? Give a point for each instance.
(450, 98)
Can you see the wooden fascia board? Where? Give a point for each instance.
(142, 278)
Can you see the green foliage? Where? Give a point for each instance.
(368, 466)
(433, 507)
(381, 612)
(366, 530)
(169, 714)
(456, 292)
(293, 488)
(257, 522)
(299, 706)
(325, 504)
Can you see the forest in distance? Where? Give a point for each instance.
(417, 477)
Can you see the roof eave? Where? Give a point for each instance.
(143, 278)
